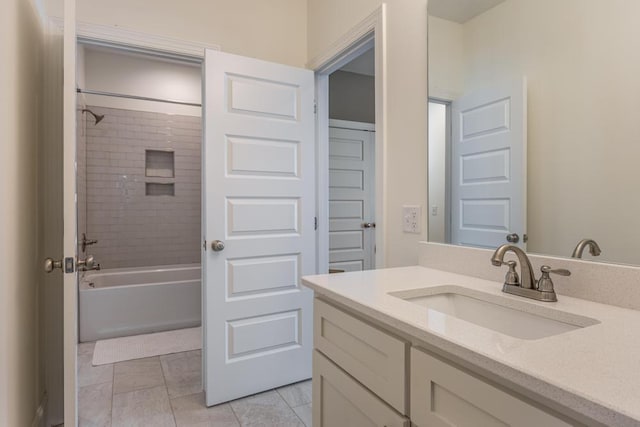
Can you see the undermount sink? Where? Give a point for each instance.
(507, 316)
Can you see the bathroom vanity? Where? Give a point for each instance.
(426, 347)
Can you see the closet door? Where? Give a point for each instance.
(351, 196)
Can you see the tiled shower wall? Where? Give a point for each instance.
(134, 229)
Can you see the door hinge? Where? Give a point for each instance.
(204, 245)
(315, 107)
(315, 222)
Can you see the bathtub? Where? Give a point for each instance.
(130, 301)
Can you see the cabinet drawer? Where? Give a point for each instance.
(445, 396)
(374, 358)
(339, 400)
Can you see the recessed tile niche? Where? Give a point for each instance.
(159, 164)
(159, 189)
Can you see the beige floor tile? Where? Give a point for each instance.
(223, 416)
(86, 348)
(94, 405)
(265, 409)
(182, 373)
(137, 375)
(89, 375)
(191, 411)
(304, 413)
(296, 394)
(142, 408)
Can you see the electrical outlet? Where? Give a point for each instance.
(411, 219)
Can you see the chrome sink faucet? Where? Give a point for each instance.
(529, 287)
(594, 249)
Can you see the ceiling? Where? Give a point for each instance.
(460, 11)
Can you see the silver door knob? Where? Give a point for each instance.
(50, 265)
(217, 245)
(513, 238)
(369, 225)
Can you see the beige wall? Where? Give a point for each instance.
(21, 373)
(273, 30)
(446, 59)
(582, 65)
(110, 71)
(406, 103)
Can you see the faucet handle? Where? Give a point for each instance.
(545, 284)
(559, 271)
(511, 277)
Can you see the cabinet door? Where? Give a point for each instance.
(371, 356)
(444, 396)
(339, 400)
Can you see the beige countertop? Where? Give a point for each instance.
(594, 371)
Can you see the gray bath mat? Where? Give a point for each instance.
(140, 346)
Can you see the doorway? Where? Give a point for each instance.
(138, 175)
(366, 39)
(477, 167)
(352, 221)
(439, 171)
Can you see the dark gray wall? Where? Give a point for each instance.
(352, 97)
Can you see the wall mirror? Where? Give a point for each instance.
(561, 78)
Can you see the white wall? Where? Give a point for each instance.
(21, 371)
(406, 103)
(273, 30)
(111, 71)
(582, 64)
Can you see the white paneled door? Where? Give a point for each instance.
(258, 222)
(351, 194)
(489, 167)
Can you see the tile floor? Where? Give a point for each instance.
(166, 391)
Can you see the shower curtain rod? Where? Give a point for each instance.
(141, 98)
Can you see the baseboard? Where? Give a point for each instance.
(40, 419)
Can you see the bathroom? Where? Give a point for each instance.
(574, 365)
(139, 192)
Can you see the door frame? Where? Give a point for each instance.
(70, 223)
(370, 32)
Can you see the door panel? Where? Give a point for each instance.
(259, 198)
(351, 193)
(488, 178)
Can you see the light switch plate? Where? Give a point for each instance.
(412, 219)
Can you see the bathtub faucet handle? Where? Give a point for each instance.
(88, 263)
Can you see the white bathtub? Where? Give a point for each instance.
(131, 301)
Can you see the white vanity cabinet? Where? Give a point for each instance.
(359, 372)
(445, 396)
(365, 376)
(339, 400)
